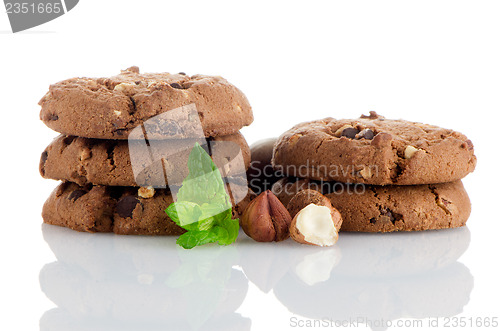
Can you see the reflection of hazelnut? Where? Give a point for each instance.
(266, 219)
(146, 192)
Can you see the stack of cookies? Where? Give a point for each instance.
(111, 127)
(382, 175)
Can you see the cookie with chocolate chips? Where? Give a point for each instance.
(370, 208)
(374, 150)
(110, 108)
(109, 162)
(122, 210)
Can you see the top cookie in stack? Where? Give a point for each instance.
(374, 150)
(413, 172)
(118, 145)
(110, 108)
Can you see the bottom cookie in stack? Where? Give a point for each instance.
(122, 210)
(370, 208)
(102, 193)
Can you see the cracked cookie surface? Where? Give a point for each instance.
(374, 150)
(122, 210)
(369, 208)
(110, 108)
(108, 162)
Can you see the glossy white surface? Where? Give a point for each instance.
(125, 282)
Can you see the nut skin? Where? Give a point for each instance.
(308, 196)
(266, 219)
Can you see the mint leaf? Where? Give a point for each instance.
(232, 227)
(184, 212)
(203, 207)
(194, 238)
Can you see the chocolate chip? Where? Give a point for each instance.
(44, 157)
(176, 85)
(125, 207)
(373, 220)
(365, 134)
(182, 73)
(393, 217)
(468, 145)
(68, 140)
(75, 195)
(350, 133)
(119, 132)
(368, 134)
(53, 117)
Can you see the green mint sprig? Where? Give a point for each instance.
(203, 207)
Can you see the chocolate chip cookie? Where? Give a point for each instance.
(108, 162)
(110, 108)
(122, 210)
(367, 208)
(374, 150)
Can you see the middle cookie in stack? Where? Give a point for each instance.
(113, 183)
(382, 175)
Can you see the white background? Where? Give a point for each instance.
(435, 62)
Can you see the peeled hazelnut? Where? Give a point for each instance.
(125, 87)
(410, 151)
(146, 192)
(366, 172)
(315, 221)
(314, 225)
(266, 219)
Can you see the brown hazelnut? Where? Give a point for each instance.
(266, 219)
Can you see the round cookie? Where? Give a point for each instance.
(366, 208)
(374, 150)
(108, 162)
(122, 210)
(110, 108)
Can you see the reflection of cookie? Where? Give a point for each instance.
(373, 150)
(367, 208)
(113, 209)
(109, 108)
(442, 292)
(108, 162)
